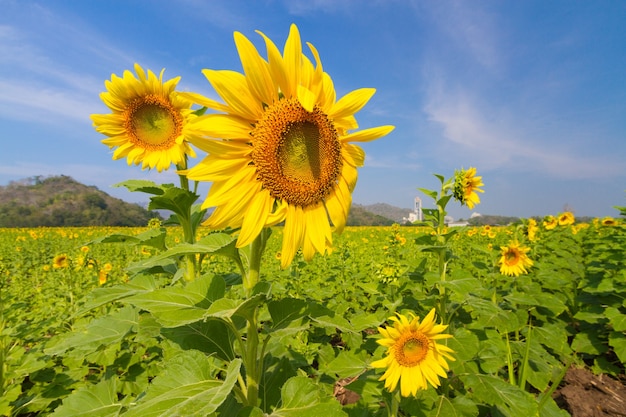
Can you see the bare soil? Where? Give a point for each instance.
(584, 394)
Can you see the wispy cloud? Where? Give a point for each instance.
(484, 135)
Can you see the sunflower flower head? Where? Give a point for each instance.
(514, 260)
(148, 120)
(466, 185)
(550, 222)
(413, 357)
(532, 229)
(278, 148)
(565, 219)
(608, 221)
(61, 261)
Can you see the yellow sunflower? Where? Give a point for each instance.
(148, 120)
(532, 229)
(279, 149)
(609, 221)
(566, 218)
(413, 355)
(61, 261)
(514, 260)
(466, 185)
(550, 222)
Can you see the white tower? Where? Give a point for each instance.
(418, 209)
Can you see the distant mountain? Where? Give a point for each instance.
(396, 214)
(359, 216)
(62, 201)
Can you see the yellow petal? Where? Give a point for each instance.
(256, 70)
(292, 56)
(351, 102)
(233, 88)
(367, 135)
(223, 126)
(256, 216)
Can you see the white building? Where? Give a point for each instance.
(416, 215)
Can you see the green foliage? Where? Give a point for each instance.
(147, 343)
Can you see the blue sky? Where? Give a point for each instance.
(532, 93)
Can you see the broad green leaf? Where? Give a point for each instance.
(211, 337)
(177, 306)
(284, 311)
(226, 307)
(98, 400)
(144, 186)
(101, 296)
(176, 200)
(456, 407)
(215, 243)
(430, 193)
(301, 397)
(101, 331)
(617, 340)
(151, 237)
(346, 364)
(510, 400)
(588, 342)
(187, 387)
(616, 319)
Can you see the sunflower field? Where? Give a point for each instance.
(95, 322)
(268, 305)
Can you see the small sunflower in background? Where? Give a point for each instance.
(279, 147)
(466, 185)
(565, 219)
(532, 229)
(147, 123)
(514, 260)
(414, 358)
(61, 261)
(608, 221)
(550, 222)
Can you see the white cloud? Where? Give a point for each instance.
(489, 137)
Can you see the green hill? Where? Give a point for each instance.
(62, 201)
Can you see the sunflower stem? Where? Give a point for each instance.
(189, 234)
(395, 404)
(256, 253)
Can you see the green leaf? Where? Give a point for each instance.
(98, 400)
(301, 397)
(211, 337)
(177, 306)
(176, 200)
(284, 311)
(101, 331)
(144, 186)
(346, 364)
(226, 307)
(215, 243)
(510, 400)
(151, 237)
(616, 319)
(430, 193)
(588, 342)
(457, 407)
(101, 296)
(186, 388)
(617, 340)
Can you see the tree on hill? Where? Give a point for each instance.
(62, 201)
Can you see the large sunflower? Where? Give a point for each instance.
(514, 260)
(279, 148)
(148, 120)
(466, 185)
(413, 355)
